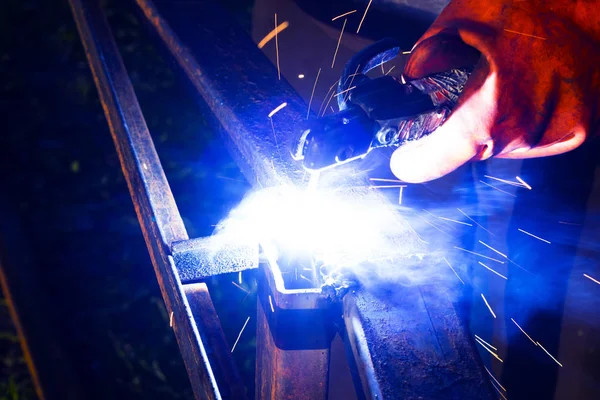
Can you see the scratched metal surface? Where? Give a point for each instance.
(237, 83)
(409, 343)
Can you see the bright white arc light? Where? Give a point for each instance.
(341, 227)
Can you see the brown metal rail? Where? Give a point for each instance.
(195, 322)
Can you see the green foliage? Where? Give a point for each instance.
(15, 382)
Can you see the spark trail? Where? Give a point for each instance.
(240, 335)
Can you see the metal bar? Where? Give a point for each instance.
(212, 334)
(293, 340)
(237, 82)
(154, 204)
(198, 258)
(408, 342)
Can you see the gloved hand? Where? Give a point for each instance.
(527, 97)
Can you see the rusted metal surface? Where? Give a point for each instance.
(237, 83)
(209, 328)
(294, 333)
(408, 343)
(154, 204)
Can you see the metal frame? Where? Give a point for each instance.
(194, 319)
(239, 98)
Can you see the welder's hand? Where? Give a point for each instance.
(535, 90)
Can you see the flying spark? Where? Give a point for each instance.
(524, 183)
(480, 255)
(430, 213)
(272, 34)
(518, 266)
(489, 351)
(551, 356)
(384, 180)
(326, 104)
(592, 279)
(499, 392)
(274, 137)
(483, 344)
(344, 91)
(493, 249)
(300, 76)
(271, 303)
(489, 345)
(277, 49)
(277, 109)
(313, 93)
(455, 221)
(475, 222)
(386, 186)
(338, 43)
(400, 196)
(343, 15)
(390, 70)
(504, 181)
(497, 273)
(239, 287)
(351, 81)
(522, 330)
(364, 15)
(532, 235)
(488, 305)
(494, 187)
(463, 282)
(240, 335)
(568, 223)
(496, 380)
(434, 226)
(407, 52)
(240, 277)
(171, 320)
(525, 34)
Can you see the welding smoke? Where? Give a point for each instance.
(341, 224)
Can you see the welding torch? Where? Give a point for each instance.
(377, 112)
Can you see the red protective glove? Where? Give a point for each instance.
(527, 97)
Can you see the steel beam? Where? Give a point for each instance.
(212, 377)
(237, 83)
(408, 343)
(293, 339)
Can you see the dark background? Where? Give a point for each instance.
(61, 181)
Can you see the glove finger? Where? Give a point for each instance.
(463, 137)
(439, 53)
